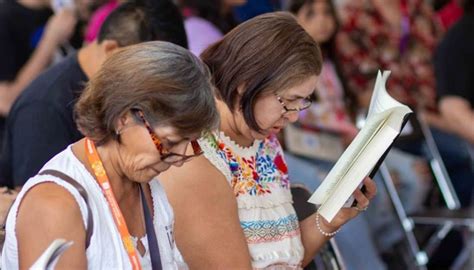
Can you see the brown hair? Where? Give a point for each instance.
(168, 83)
(268, 53)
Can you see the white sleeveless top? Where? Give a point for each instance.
(259, 177)
(106, 249)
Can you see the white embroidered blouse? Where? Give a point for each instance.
(259, 178)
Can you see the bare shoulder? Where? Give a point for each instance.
(198, 178)
(207, 224)
(200, 186)
(47, 212)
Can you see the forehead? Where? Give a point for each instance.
(173, 134)
(302, 89)
(320, 3)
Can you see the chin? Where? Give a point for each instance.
(147, 176)
(263, 134)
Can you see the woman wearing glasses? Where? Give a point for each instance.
(139, 114)
(233, 205)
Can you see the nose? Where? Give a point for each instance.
(178, 163)
(292, 116)
(180, 148)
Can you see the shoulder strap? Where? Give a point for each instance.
(66, 178)
(151, 234)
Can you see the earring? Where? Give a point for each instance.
(117, 135)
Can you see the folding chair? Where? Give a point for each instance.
(419, 258)
(439, 170)
(447, 218)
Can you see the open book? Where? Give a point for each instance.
(385, 120)
(50, 256)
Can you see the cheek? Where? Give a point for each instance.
(135, 164)
(143, 168)
(330, 24)
(269, 120)
(141, 159)
(266, 118)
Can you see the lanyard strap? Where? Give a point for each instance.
(101, 175)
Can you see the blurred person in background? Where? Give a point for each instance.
(401, 36)
(29, 44)
(454, 69)
(167, 8)
(97, 19)
(207, 20)
(396, 35)
(29, 36)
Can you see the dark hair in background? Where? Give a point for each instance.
(211, 10)
(328, 49)
(266, 54)
(167, 82)
(144, 20)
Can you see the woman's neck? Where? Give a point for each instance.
(121, 185)
(110, 157)
(230, 126)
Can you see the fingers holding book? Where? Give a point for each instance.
(364, 195)
(362, 200)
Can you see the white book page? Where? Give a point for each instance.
(51, 255)
(349, 156)
(359, 170)
(381, 100)
(385, 116)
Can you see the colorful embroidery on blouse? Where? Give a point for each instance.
(264, 231)
(258, 174)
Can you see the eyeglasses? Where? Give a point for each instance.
(167, 156)
(295, 106)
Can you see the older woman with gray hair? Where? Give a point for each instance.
(139, 114)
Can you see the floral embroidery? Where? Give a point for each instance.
(264, 231)
(259, 178)
(258, 174)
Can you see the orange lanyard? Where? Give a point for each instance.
(101, 175)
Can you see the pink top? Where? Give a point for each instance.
(201, 33)
(97, 19)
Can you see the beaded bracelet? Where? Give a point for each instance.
(321, 230)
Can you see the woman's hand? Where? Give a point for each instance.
(312, 237)
(346, 214)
